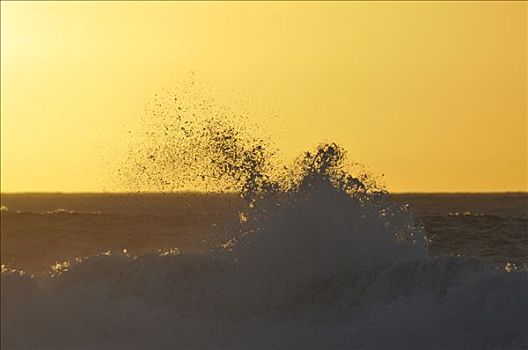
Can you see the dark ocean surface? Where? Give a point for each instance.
(317, 270)
(41, 229)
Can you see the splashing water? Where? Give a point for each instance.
(321, 258)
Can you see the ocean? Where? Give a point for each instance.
(178, 271)
(39, 230)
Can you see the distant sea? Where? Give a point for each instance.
(41, 229)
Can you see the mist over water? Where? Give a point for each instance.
(320, 257)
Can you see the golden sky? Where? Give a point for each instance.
(431, 94)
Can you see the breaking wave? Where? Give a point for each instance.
(321, 258)
(58, 211)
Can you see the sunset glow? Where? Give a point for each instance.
(433, 95)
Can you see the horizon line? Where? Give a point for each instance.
(232, 192)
